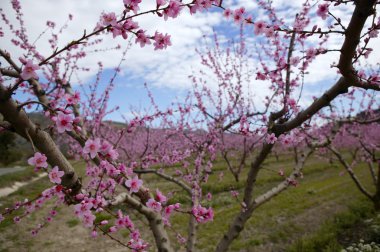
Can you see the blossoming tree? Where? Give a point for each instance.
(193, 132)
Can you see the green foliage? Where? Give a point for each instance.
(72, 222)
(331, 235)
(7, 153)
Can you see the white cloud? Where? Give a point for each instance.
(164, 68)
(168, 68)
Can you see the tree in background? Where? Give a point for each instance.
(7, 141)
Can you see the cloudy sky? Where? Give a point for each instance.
(165, 72)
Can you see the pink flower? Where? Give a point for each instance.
(323, 10)
(94, 234)
(142, 38)
(82, 208)
(1, 218)
(311, 53)
(154, 205)
(38, 160)
(109, 19)
(16, 219)
(92, 147)
(88, 219)
(234, 193)
(134, 184)
(168, 210)
(73, 99)
(259, 27)
(209, 196)
(28, 70)
(294, 61)
(64, 122)
(112, 229)
(271, 139)
(55, 175)
(173, 9)
(203, 214)
(374, 33)
(160, 2)
(160, 197)
(112, 154)
(260, 76)
(239, 15)
(269, 32)
(227, 13)
(161, 41)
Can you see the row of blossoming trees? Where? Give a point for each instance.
(229, 122)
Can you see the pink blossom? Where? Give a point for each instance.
(94, 234)
(152, 204)
(73, 99)
(134, 184)
(323, 10)
(160, 197)
(260, 76)
(161, 41)
(209, 196)
(271, 139)
(16, 219)
(28, 70)
(1, 218)
(55, 175)
(259, 27)
(112, 154)
(135, 235)
(82, 208)
(112, 229)
(173, 9)
(374, 33)
(161, 2)
(132, 4)
(38, 160)
(137, 245)
(294, 61)
(227, 13)
(64, 122)
(124, 221)
(109, 19)
(239, 15)
(112, 171)
(142, 38)
(88, 219)
(311, 53)
(168, 210)
(203, 214)
(92, 147)
(181, 239)
(269, 32)
(234, 193)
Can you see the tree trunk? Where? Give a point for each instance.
(192, 234)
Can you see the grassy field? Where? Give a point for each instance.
(319, 214)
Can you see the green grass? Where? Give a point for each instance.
(72, 223)
(332, 235)
(302, 218)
